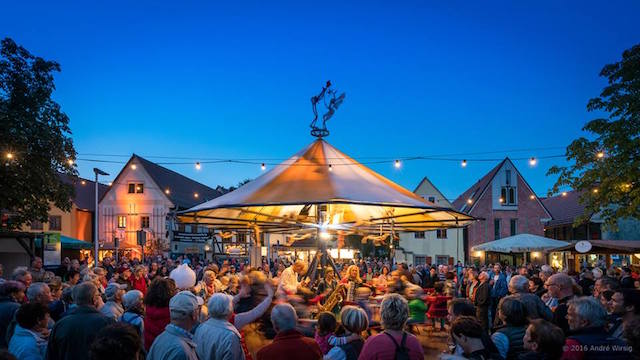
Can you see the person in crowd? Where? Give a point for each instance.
(289, 278)
(207, 286)
(113, 307)
(29, 340)
(624, 304)
(328, 284)
(22, 274)
(73, 277)
(11, 295)
(288, 340)
(543, 341)
(603, 284)
(482, 299)
(468, 333)
(157, 313)
(586, 282)
(626, 281)
(536, 286)
(588, 339)
(133, 310)
(124, 276)
(117, 341)
(386, 345)
(560, 287)
(508, 338)
(352, 281)
(39, 292)
(449, 288)
(56, 307)
(383, 278)
(354, 321)
(71, 336)
(326, 326)
(217, 338)
(417, 307)
(37, 271)
(519, 289)
(176, 341)
(472, 284)
(139, 279)
(631, 333)
(460, 307)
(110, 269)
(499, 289)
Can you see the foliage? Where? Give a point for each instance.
(35, 139)
(606, 167)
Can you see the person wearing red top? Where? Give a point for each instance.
(394, 312)
(157, 315)
(288, 341)
(138, 280)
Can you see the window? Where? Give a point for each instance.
(122, 222)
(144, 222)
(418, 235)
(442, 260)
(432, 199)
(508, 179)
(514, 226)
(496, 228)
(36, 225)
(419, 260)
(55, 222)
(441, 233)
(136, 188)
(508, 195)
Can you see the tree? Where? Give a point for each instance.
(606, 166)
(35, 139)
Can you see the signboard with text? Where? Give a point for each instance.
(191, 237)
(52, 246)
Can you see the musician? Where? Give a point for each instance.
(328, 284)
(352, 281)
(289, 278)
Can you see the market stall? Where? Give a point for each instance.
(593, 253)
(516, 250)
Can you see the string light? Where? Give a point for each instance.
(600, 154)
(110, 183)
(397, 164)
(262, 167)
(532, 197)
(9, 156)
(501, 200)
(133, 166)
(464, 163)
(595, 191)
(83, 182)
(533, 161)
(166, 191)
(70, 162)
(469, 201)
(195, 195)
(564, 193)
(198, 167)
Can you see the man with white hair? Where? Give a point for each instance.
(39, 292)
(289, 278)
(560, 287)
(288, 340)
(482, 299)
(217, 338)
(176, 341)
(113, 307)
(589, 339)
(536, 309)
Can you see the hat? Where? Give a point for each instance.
(124, 268)
(185, 302)
(131, 298)
(112, 289)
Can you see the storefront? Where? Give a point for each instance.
(603, 253)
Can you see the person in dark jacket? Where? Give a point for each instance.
(543, 340)
(626, 281)
(560, 287)
(288, 340)
(74, 333)
(10, 294)
(508, 338)
(467, 332)
(499, 288)
(482, 300)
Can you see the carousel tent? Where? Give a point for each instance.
(520, 243)
(321, 186)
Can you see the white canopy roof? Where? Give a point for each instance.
(321, 179)
(520, 243)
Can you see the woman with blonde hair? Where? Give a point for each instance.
(353, 281)
(355, 321)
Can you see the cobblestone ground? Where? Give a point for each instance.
(433, 342)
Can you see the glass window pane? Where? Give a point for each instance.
(132, 188)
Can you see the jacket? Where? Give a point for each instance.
(499, 288)
(218, 339)
(139, 284)
(290, 342)
(72, 335)
(513, 346)
(112, 310)
(134, 319)
(27, 345)
(8, 309)
(536, 309)
(155, 320)
(482, 298)
(173, 344)
(594, 343)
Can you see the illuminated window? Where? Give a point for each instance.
(122, 222)
(508, 195)
(136, 188)
(432, 199)
(144, 222)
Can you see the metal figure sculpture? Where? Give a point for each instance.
(332, 106)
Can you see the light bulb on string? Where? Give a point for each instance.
(9, 156)
(70, 162)
(195, 195)
(330, 167)
(533, 161)
(133, 166)
(532, 197)
(564, 193)
(198, 167)
(469, 201)
(167, 192)
(397, 164)
(263, 167)
(600, 154)
(463, 163)
(83, 182)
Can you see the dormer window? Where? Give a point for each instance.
(508, 195)
(136, 188)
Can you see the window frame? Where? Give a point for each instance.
(122, 221)
(439, 233)
(513, 226)
(419, 235)
(142, 221)
(496, 228)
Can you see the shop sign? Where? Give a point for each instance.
(52, 246)
(191, 237)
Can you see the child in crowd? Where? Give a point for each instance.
(417, 308)
(326, 326)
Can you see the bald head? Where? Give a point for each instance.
(559, 285)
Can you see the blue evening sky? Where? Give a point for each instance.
(212, 79)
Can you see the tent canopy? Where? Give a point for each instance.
(69, 243)
(520, 243)
(606, 247)
(318, 185)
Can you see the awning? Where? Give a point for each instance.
(322, 180)
(606, 247)
(69, 243)
(520, 243)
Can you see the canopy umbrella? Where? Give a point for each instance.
(520, 243)
(321, 187)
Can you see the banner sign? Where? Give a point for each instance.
(52, 246)
(191, 237)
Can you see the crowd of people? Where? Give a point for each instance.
(365, 309)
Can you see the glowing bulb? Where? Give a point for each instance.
(533, 161)
(501, 200)
(138, 188)
(469, 201)
(391, 246)
(532, 197)
(198, 167)
(83, 182)
(262, 167)
(325, 235)
(9, 156)
(195, 195)
(167, 191)
(133, 166)
(70, 162)
(564, 193)
(110, 183)
(464, 163)
(600, 154)
(595, 191)
(330, 168)
(397, 164)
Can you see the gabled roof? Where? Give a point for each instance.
(85, 193)
(426, 180)
(181, 188)
(476, 190)
(564, 209)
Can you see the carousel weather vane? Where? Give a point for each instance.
(332, 106)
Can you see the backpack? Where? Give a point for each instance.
(402, 353)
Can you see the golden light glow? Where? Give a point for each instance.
(138, 188)
(70, 162)
(133, 166)
(469, 201)
(464, 163)
(600, 154)
(535, 254)
(501, 200)
(198, 167)
(533, 161)
(564, 193)
(83, 182)
(391, 246)
(478, 253)
(110, 183)
(167, 191)
(595, 191)
(397, 164)
(195, 195)
(330, 168)
(532, 197)
(325, 235)
(9, 156)
(262, 167)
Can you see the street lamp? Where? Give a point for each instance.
(95, 221)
